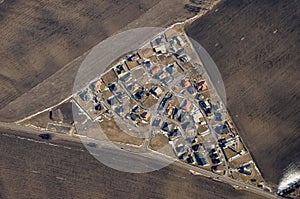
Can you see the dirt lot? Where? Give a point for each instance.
(36, 170)
(255, 44)
(38, 38)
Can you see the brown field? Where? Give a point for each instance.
(41, 39)
(116, 133)
(158, 141)
(255, 44)
(37, 170)
(38, 38)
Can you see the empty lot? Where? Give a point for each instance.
(255, 44)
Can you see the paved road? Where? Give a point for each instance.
(145, 156)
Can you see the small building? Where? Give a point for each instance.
(181, 115)
(166, 127)
(145, 115)
(133, 57)
(155, 90)
(158, 44)
(200, 85)
(156, 122)
(147, 63)
(186, 105)
(126, 77)
(112, 101)
(155, 70)
(140, 94)
(120, 70)
(245, 169)
(97, 86)
(160, 49)
(201, 159)
(197, 116)
(186, 82)
(134, 117)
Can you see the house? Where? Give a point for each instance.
(213, 154)
(184, 58)
(145, 115)
(181, 115)
(98, 86)
(180, 148)
(135, 108)
(155, 90)
(158, 44)
(167, 80)
(190, 159)
(169, 110)
(190, 90)
(112, 100)
(112, 87)
(119, 110)
(166, 127)
(134, 117)
(120, 70)
(133, 57)
(201, 159)
(85, 95)
(245, 169)
(126, 77)
(197, 115)
(162, 104)
(171, 69)
(195, 147)
(200, 85)
(185, 82)
(147, 63)
(186, 105)
(160, 49)
(205, 106)
(199, 96)
(164, 101)
(140, 94)
(155, 70)
(176, 43)
(156, 122)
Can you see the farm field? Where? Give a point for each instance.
(255, 45)
(44, 42)
(38, 170)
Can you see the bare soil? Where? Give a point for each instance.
(255, 44)
(38, 170)
(43, 38)
(158, 141)
(114, 133)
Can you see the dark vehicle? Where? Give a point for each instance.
(45, 136)
(91, 144)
